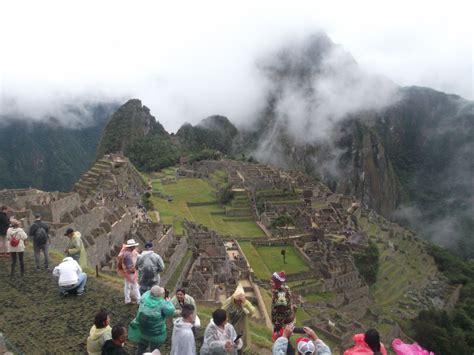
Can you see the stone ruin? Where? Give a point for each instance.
(212, 273)
(105, 206)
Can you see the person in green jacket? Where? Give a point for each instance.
(75, 248)
(148, 329)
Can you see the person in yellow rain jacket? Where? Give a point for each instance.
(238, 309)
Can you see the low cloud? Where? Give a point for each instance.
(312, 86)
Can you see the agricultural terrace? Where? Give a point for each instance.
(264, 260)
(195, 200)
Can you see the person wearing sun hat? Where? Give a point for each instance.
(126, 263)
(283, 312)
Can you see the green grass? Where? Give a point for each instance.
(198, 190)
(265, 260)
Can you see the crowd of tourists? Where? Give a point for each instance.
(226, 333)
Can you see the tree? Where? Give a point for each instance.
(367, 262)
(284, 220)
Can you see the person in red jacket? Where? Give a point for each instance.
(367, 344)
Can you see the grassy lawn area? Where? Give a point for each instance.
(186, 191)
(265, 260)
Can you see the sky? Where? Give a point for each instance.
(187, 60)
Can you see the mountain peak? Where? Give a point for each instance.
(130, 122)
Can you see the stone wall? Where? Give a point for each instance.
(174, 260)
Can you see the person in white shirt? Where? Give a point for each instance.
(182, 340)
(71, 277)
(220, 337)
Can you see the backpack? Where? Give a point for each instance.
(120, 262)
(15, 241)
(41, 236)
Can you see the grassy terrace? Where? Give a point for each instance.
(189, 190)
(267, 259)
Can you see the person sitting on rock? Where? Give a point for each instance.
(75, 248)
(238, 310)
(282, 311)
(115, 345)
(305, 345)
(179, 300)
(100, 332)
(149, 265)
(71, 277)
(367, 344)
(148, 329)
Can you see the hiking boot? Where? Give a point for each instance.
(80, 293)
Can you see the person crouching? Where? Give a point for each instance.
(71, 277)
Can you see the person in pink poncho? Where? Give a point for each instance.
(126, 261)
(367, 344)
(402, 348)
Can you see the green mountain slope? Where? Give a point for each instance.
(47, 155)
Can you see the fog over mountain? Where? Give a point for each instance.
(188, 62)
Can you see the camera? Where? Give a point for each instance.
(298, 330)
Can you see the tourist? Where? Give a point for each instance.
(149, 265)
(148, 329)
(283, 312)
(126, 261)
(115, 345)
(305, 345)
(71, 277)
(99, 333)
(220, 337)
(15, 240)
(367, 344)
(39, 233)
(75, 248)
(4, 224)
(179, 300)
(182, 340)
(238, 309)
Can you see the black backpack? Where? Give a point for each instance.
(41, 236)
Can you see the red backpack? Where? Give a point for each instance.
(15, 241)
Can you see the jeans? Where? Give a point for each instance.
(37, 250)
(79, 286)
(22, 265)
(126, 291)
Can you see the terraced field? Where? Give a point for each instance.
(195, 200)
